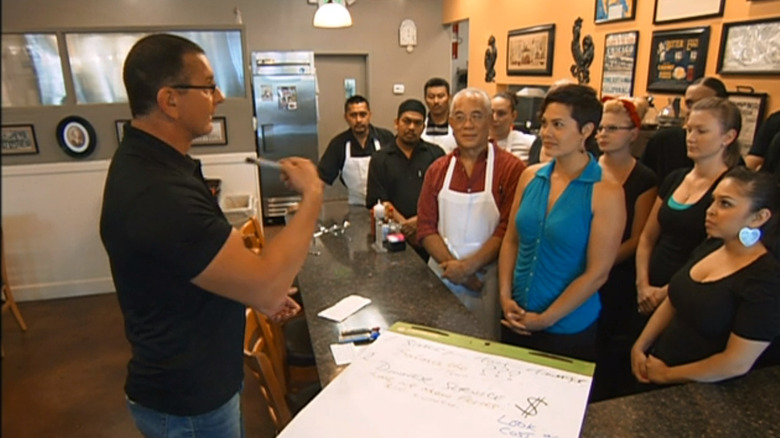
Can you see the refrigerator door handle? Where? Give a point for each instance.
(266, 129)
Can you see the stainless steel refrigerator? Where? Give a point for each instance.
(284, 88)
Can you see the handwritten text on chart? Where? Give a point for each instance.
(446, 390)
(449, 384)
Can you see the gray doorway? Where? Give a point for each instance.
(332, 71)
(459, 36)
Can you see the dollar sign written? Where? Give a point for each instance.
(533, 403)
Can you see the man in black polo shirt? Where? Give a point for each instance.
(396, 173)
(348, 153)
(667, 150)
(180, 270)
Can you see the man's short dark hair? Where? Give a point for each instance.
(582, 100)
(354, 100)
(154, 61)
(713, 84)
(509, 97)
(411, 105)
(436, 82)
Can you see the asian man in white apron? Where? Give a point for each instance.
(460, 214)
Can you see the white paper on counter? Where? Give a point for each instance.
(344, 354)
(347, 306)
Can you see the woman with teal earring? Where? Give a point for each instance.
(723, 308)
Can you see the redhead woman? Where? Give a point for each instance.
(563, 241)
(723, 308)
(676, 223)
(620, 123)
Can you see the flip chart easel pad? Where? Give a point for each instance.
(408, 386)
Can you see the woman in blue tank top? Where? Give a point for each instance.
(567, 230)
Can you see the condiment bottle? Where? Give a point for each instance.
(379, 218)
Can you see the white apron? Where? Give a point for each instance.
(446, 142)
(355, 174)
(466, 222)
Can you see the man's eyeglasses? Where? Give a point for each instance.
(475, 117)
(211, 88)
(611, 129)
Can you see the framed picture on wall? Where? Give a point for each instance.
(619, 63)
(19, 140)
(752, 107)
(76, 136)
(609, 11)
(217, 136)
(750, 48)
(677, 58)
(530, 51)
(670, 11)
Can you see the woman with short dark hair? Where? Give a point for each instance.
(563, 241)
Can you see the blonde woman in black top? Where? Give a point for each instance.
(675, 225)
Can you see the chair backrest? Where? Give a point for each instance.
(256, 357)
(252, 233)
(252, 333)
(274, 344)
(8, 297)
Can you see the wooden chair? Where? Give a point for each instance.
(9, 303)
(253, 235)
(291, 339)
(258, 360)
(254, 239)
(296, 370)
(261, 356)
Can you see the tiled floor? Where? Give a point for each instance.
(64, 377)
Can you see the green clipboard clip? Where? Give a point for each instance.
(495, 348)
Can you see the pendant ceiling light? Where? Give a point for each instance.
(332, 15)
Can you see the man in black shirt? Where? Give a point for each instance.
(772, 162)
(667, 150)
(182, 274)
(759, 151)
(396, 173)
(348, 153)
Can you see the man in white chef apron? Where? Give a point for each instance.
(349, 153)
(464, 206)
(437, 125)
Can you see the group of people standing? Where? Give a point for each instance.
(567, 268)
(589, 256)
(434, 175)
(545, 250)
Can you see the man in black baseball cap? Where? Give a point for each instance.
(395, 174)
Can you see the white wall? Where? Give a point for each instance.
(51, 218)
(268, 25)
(50, 213)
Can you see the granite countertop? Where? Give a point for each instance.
(400, 285)
(743, 407)
(402, 288)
